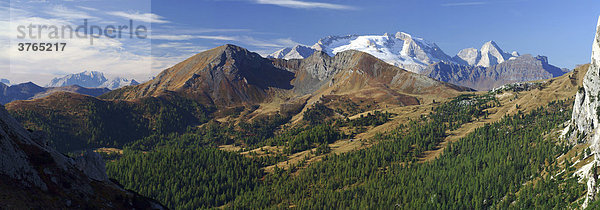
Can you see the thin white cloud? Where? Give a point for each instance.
(65, 13)
(144, 17)
(87, 8)
(456, 4)
(112, 56)
(305, 4)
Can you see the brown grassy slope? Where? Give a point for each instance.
(559, 88)
(362, 79)
(223, 76)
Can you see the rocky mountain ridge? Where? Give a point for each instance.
(400, 49)
(490, 54)
(230, 75)
(480, 69)
(516, 69)
(91, 79)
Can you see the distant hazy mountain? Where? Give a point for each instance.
(83, 79)
(29, 90)
(91, 79)
(118, 82)
(480, 77)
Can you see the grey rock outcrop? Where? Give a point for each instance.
(92, 165)
(315, 71)
(585, 118)
(38, 177)
(585, 109)
(14, 162)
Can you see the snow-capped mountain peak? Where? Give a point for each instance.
(490, 54)
(91, 79)
(119, 82)
(297, 52)
(84, 79)
(400, 49)
(469, 56)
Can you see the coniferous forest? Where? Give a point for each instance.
(489, 168)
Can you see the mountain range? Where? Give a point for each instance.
(514, 70)
(29, 91)
(293, 113)
(296, 110)
(229, 75)
(418, 55)
(91, 79)
(224, 78)
(91, 83)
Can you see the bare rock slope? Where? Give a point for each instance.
(33, 175)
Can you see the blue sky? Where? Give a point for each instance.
(561, 30)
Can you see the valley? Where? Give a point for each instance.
(298, 104)
(265, 134)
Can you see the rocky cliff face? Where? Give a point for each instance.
(516, 69)
(33, 175)
(586, 110)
